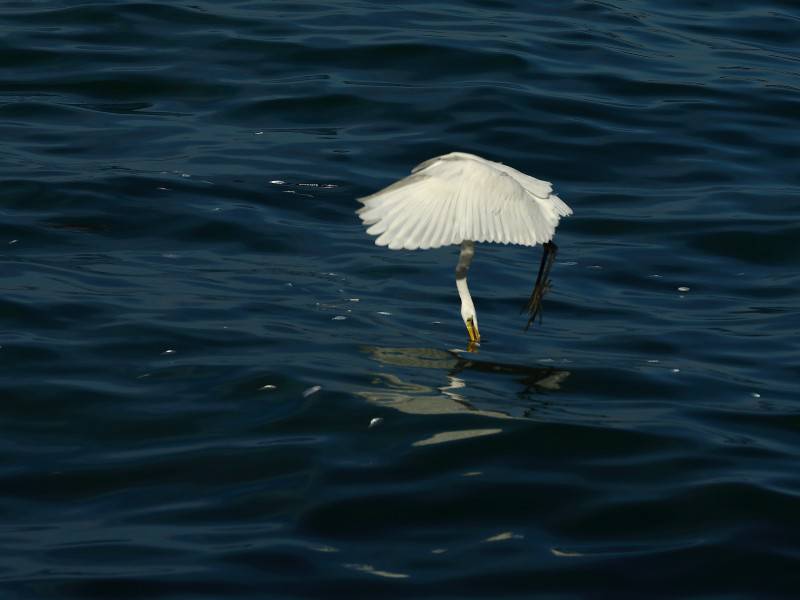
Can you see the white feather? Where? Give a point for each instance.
(457, 197)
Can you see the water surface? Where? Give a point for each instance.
(214, 385)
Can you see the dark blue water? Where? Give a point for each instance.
(197, 333)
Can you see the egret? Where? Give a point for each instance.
(461, 198)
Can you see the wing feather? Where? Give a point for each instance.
(443, 232)
(435, 225)
(402, 229)
(517, 224)
(490, 222)
(416, 233)
(459, 196)
(483, 226)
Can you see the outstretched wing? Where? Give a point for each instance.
(457, 197)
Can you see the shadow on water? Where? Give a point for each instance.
(460, 386)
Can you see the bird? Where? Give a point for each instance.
(461, 198)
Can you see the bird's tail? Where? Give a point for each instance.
(534, 304)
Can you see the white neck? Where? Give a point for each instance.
(466, 299)
(464, 261)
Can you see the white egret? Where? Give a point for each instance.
(460, 198)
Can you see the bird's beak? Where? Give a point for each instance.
(472, 330)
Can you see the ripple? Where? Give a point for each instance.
(215, 384)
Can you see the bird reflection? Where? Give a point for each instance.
(452, 396)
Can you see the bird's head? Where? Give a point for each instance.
(471, 321)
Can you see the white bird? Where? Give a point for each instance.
(460, 198)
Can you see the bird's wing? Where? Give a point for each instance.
(458, 197)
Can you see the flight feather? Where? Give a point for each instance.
(457, 197)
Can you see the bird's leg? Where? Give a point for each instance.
(534, 304)
(467, 307)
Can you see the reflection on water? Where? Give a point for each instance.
(454, 394)
(421, 399)
(451, 436)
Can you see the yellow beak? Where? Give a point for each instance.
(472, 330)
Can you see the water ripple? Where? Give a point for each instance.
(217, 385)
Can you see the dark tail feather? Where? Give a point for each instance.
(534, 304)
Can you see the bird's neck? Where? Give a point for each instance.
(464, 261)
(466, 299)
